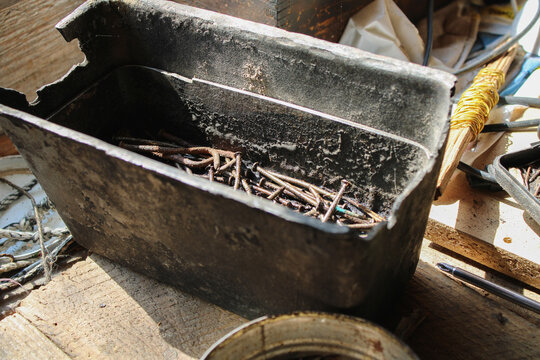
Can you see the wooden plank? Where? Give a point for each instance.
(21, 340)
(483, 252)
(324, 19)
(7, 3)
(100, 309)
(463, 322)
(32, 52)
(262, 11)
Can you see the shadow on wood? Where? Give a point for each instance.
(100, 308)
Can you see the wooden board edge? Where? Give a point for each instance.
(484, 253)
(21, 339)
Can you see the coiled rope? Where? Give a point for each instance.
(8, 200)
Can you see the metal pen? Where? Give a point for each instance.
(491, 287)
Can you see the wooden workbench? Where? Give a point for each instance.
(95, 308)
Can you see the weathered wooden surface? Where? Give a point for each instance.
(32, 51)
(463, 324)
(19, 339)
(326, 19)
(484, 253)
(98, 309)
(262, 11)
(102, 310)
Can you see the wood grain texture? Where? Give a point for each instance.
(101, 310)
(485, 253)
(324, 19)
(32, 52)
(7, 3)
(262, 11)
(433, 253)
(98, 309)
(464, 322)
(21, 340)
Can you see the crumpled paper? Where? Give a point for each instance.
(454, 32)
(382, 28)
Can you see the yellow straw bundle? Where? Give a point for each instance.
(472, 112)
(473, 108)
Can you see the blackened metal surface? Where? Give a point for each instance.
(302, 106)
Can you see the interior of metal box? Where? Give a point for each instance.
(138, 101)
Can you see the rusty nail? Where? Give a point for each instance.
(312, 212)
(184, 161)
(346, 212)
(266, 192)
(337, 199)
(371, 213)
(301, 195)
(227, 165)
(362, 226)
(215, 156)
(320, 201)
(237, 174)
(534, 176)
(246, 187)
(527, 177)
(352, 218)
(301, 183)
(276, 193)
(211, 173)
(262, 190)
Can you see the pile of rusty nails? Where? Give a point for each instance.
(306, 198)
(529, 175)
